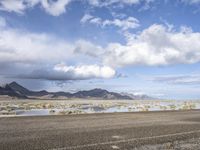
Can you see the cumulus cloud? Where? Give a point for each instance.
(54, 8)
(156, 45)
(88, 48)
(23, 47)
(17, 46)
(64, 72)
(86, 71)
(124, 24)
(23, 51)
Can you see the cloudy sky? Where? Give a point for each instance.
(135, 46)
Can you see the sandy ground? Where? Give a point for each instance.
(126, 131)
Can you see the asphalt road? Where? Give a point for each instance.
(99, 131)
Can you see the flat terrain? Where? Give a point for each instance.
(144, 130)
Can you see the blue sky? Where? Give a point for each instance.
(139, 46)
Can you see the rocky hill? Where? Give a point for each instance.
(16, 90)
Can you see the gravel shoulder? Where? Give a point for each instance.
(143, 130)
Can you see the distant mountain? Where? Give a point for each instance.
(7, 90)
(15, 90)
(62, 94)
(99, 93)
(138, 96)
(20, 89)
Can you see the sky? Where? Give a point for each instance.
(137, 46)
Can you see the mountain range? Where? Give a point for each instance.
(16, 90)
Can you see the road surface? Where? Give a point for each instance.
(144, 130)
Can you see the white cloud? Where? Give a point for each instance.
(86, 71)
(86, 18)
(88, 48)
(17, 6)
(145, 4)
(22, 52)
(23, 47)
(18, 46)
(64, 72)
(54, 8)
(58, 7)
(124, 24)
(156, 45)
(97, 21)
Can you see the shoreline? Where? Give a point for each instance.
(100, 113)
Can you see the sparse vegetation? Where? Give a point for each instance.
(80, 106)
